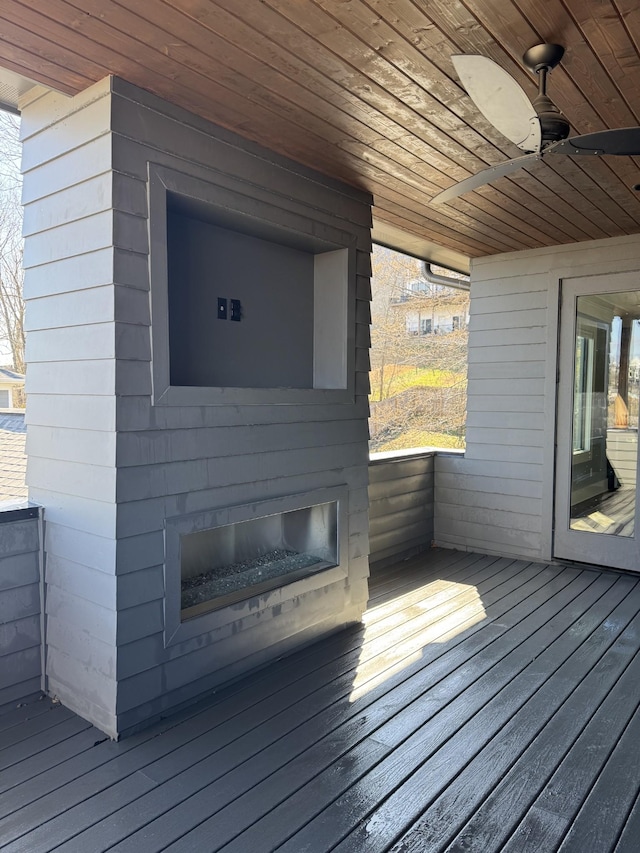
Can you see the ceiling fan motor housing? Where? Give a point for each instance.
(553, 124)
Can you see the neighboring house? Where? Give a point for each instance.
(13, 460)
(432, 308)
(11, 389)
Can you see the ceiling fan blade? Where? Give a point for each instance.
(623, 141)
(500, 99)
(486, 176)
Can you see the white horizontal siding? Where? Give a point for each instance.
(508, 436)
(69, 275)
(42, 108)
(75, 308)
(477, 517)
(88, 307)
(506, 370)
(98, 691)
(507, 387)
(506, 337)
(82, 236)
(71, 343)
(75, 167)
(491, 498)
(488, 501)
(83, 411)
(523, 301)
(85, 548)
(516, 403)
(75, 478)
(528, 318)
(96, 621)
(616, 253)
(473, 489)
(529, 421)
(69, 132)
(92, 447)
(499, 497)
(68, 205)
(96, 657)
(81, 581)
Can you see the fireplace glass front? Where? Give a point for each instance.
(226, 564)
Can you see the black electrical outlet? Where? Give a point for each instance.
(222, 308)
(236, 309)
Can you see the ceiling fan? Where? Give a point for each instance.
(538, 128)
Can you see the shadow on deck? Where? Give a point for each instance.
(486, 704)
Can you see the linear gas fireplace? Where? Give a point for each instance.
(225, 564)
(222, 564)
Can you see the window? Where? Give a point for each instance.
(5, 398)
(583, 393)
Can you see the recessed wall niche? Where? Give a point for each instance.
(250, 301)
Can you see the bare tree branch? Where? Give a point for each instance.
(12, 339)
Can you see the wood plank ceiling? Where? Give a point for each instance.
(365, 91)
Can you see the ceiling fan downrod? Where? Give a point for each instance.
(540, 60)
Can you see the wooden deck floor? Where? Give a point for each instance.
(487, 704)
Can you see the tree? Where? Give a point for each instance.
(390, 347)
(418, 357)
(12, 339)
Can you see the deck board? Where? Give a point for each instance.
(485, 704)
(420, 766)
(333, 733)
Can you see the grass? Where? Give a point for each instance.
(422, 438)
(399, 378)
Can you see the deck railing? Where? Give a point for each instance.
(20, 603)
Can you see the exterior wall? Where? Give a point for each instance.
(72, 309)
(498, 497)
(20, 650)
(401, 505)
(111, 466)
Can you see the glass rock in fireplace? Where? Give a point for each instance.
(226, 564)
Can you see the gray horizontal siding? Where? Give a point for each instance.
(401, 507)
(20, 667)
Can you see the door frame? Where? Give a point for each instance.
(581, 546)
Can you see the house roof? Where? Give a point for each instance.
(13, 460)
(365, 91)
(10, 377)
